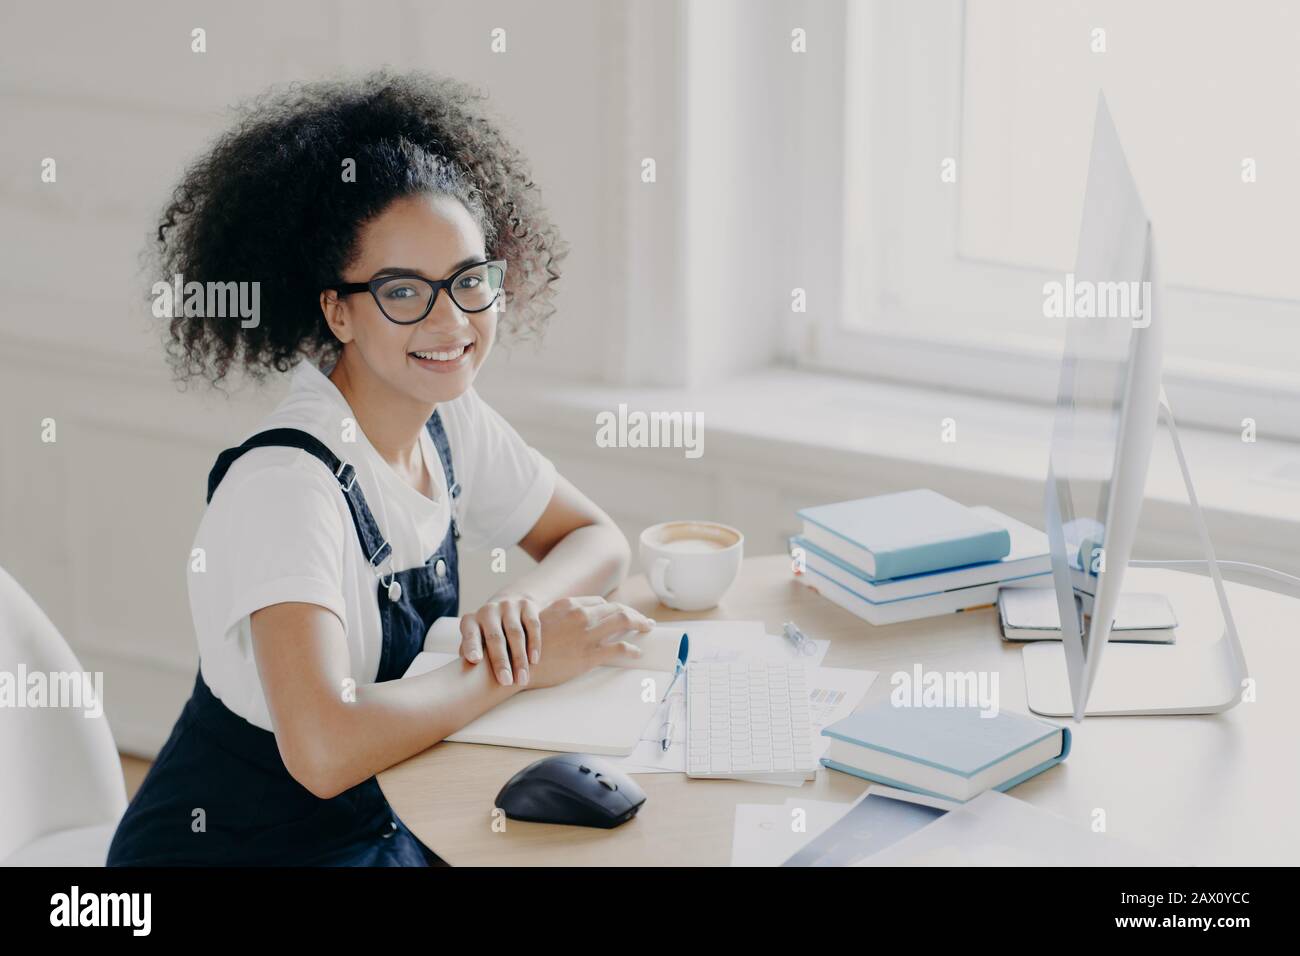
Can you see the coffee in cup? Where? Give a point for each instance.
(690, 564)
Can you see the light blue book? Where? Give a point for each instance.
(951, 752)
(1029, 557)
(910, 532)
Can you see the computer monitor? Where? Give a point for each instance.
(1108, 404)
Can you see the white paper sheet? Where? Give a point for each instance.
(879, 818)
(994, 829)
(765, 834)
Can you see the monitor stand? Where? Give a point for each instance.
(1200, 673)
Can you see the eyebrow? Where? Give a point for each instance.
(408, 270)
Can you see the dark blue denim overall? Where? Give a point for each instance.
(255, 813)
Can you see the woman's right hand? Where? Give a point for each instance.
(577, 632)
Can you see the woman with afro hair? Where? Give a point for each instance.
(391, 232)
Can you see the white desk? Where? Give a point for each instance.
(1208, 790)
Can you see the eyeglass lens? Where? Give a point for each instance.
(406, 298)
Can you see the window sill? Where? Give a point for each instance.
(779, 417)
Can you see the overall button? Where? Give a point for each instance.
(440, 568)
(390, 830)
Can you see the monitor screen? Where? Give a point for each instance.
(1104, 302)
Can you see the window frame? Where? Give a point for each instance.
(888, 45)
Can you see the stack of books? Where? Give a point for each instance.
(915, 554)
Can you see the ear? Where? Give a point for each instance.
(336, 315)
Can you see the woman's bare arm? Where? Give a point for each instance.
(578, 547)
(579, 550)
(332, 737)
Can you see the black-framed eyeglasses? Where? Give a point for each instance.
(407, 298)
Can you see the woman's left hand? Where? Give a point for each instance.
(510, 630)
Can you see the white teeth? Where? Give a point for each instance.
(442, 356)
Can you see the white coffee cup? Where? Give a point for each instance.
(690, 564)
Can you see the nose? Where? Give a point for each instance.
(444, 313)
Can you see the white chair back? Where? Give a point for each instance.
(59, 768)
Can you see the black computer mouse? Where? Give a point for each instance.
(575, 789)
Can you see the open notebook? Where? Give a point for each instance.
(602, 712)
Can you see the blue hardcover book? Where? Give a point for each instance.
(910, 532)
(1029, 557)
(951, 752)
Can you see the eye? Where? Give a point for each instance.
(399, 290)
(469, 281)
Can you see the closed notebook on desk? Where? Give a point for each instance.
(949, 752)
(601, 712)
(909, 532)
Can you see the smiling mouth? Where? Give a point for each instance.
(442, 356)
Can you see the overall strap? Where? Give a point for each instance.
(439, 436)
(373, 543)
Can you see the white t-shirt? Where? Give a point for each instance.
(278, 527)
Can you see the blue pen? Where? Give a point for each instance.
(666, 732)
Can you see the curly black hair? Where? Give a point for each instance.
(269, 203)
